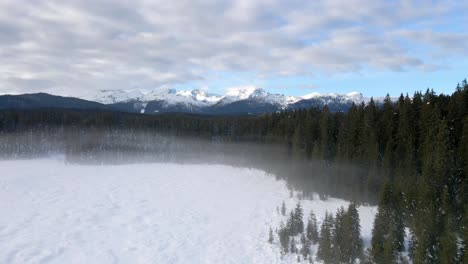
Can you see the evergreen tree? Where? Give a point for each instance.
(291, 224)
(448, 247)
(305, 249)
(448, 240)
(312, 229)
(298, 219)
(283, 208)
(464, 235)
(354, 243)
(339, 236)
(293, 248)
(324, 133)
(270, 236)
(283, 235)
(325, 247)
(388, 232)
(298, 139)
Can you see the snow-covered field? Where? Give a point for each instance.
(53, 212)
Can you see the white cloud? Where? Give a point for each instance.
(74, 47)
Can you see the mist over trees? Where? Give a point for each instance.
(409, 155)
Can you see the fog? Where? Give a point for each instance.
(126, 146)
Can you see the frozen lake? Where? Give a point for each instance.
(53, 212)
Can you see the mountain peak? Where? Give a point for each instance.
(244, 92)
(354, 95)
(197, 99)
(115, 96)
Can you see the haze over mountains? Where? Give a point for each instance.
(243, 100)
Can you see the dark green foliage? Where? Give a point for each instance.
(464, 236)
(448, 247)
(354, 243)
(346, 235)
(325, 246)
(312, 229)
(339, 236)
(295, 223)
(388, 233)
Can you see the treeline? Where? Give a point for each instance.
(417, 149)
(412, 153)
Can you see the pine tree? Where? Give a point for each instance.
(293, 248)
(339, 236)
(354, 243)
(312, 229)
(448, 240)
(270, 237)
(283, 235)
(433, 201)
(464, 236)
(325, 247)
(305, 250)
(448, 247)
(283, 209)
(291, 224)
(298, 140)
(298, 219)
(388, 232)
(324, 133)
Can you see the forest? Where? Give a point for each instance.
(410, 156)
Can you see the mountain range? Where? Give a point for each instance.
(245, 100)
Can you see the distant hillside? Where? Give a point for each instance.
(43, 100)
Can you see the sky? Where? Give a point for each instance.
(77, 47)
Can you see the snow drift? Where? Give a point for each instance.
(53, 212)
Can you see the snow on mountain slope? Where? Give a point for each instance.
(195, 97)
(257, 94)
(244, 92)
(355, 97)
(116, 96)
(54, 212)
(200, 96)
(242, 99)
(169, 96)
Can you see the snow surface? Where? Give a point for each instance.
(54, 212)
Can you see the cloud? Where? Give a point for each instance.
(75, 47)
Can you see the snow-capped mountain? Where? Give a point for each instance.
(237, 100)
(335, 102)
(171, 96)
(355, 97)
(244, 99)
(256, 94)
(116, 96)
